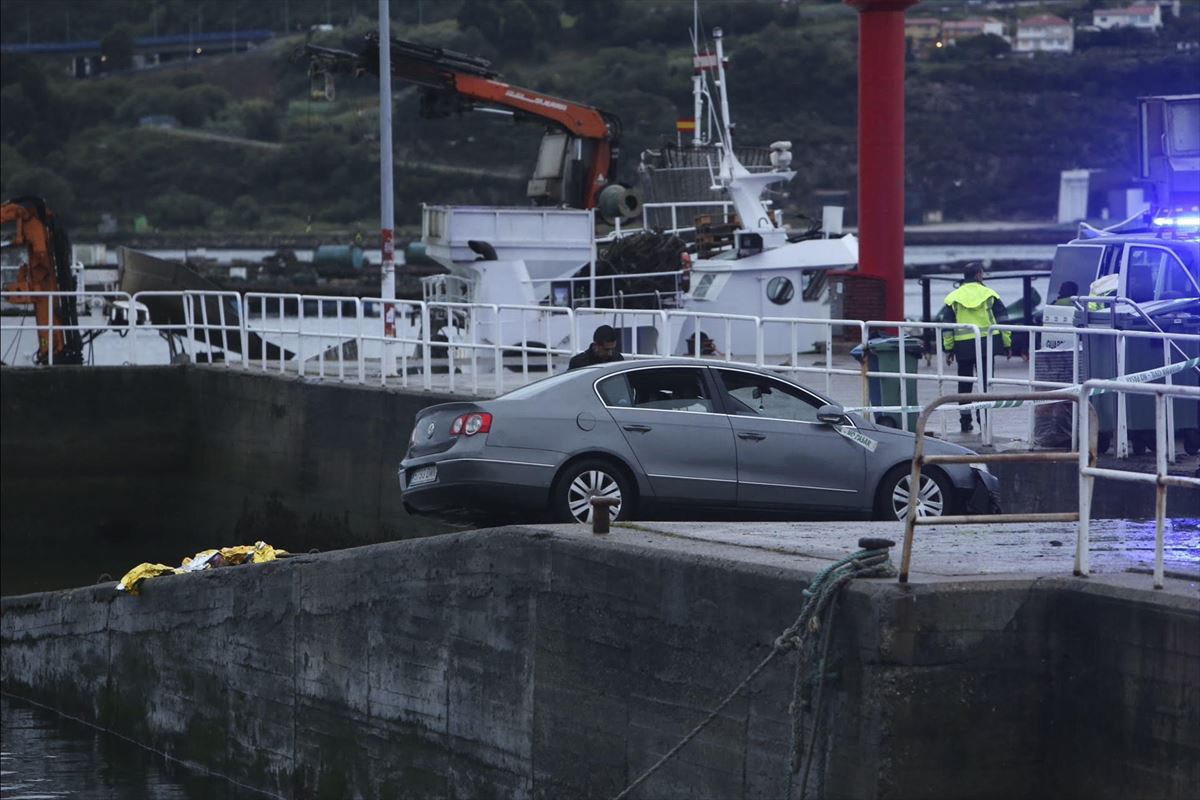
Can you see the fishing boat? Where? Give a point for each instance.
(747, 262)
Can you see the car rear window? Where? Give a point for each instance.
(666, 389)
(614, 391)
(545, 384)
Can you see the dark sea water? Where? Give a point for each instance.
(44, 757)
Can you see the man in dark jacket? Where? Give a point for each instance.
(602, 350)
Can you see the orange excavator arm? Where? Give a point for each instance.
(455, 82)
(42, 271)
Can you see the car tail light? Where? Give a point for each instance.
(471, 424)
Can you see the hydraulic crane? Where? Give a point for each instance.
(577, 159)
(46, 268)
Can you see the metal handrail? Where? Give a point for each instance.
(1088, 471)
(920, 459)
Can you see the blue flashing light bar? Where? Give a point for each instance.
(1179, 221)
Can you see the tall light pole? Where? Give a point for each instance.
(386, 215)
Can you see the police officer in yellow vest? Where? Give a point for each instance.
(972, 303)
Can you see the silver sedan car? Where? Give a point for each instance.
(674, 437)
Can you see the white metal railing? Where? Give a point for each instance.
(1085, 456)
(1172, 354)
(491, 348)
(1088, 472)
(9, 349)
(619, 231)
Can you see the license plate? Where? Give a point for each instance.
(423, 475)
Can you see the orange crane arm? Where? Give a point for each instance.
(575, 118)
(457, 82)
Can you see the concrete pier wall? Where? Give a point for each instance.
(539, 663)
(108, 467)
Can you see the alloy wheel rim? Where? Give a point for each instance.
(930, 500)
(585, 486)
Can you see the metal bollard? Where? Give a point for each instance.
(600, 506)
(871, 543)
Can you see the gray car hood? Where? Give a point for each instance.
(933, 445)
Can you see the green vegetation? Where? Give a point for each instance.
(987, 135)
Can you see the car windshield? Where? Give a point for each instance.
(544, 385)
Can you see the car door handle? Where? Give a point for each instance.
(637, 428)
(754, 437)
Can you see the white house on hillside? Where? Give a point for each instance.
(1148, 17)
(1045, 33)
(955, 30)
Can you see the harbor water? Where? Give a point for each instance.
(44, 756)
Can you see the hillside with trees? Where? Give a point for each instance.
(237, 142)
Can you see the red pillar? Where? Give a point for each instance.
(881, 146)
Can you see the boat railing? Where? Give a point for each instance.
(565, 292)
(620, 230)
(491, 348)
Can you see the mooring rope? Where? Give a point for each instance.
(802, 635)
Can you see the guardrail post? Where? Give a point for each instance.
(1122, 436)
(426, 348)
(1160, 487)
(863, 368)
(243, 332)
(1087, 456)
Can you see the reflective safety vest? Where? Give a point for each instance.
(972, 305)
(1103, 287)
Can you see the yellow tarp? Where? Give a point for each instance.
(257, 553)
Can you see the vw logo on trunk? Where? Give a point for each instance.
(429, 430)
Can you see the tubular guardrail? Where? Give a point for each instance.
(1121, 347)
(911, 520)
(519, 343)
(51, 326)
(1088, 471)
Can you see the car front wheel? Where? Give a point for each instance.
(575, 488)
(934, 499)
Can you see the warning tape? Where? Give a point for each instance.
(1136, 377)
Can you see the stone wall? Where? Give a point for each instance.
(539, 663)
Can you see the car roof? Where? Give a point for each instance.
(676, 361)
(599, 370)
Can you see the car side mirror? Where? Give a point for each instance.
(831, 414)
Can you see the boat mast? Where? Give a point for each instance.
(726, 129)
(698, 82)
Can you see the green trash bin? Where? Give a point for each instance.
(883, 355)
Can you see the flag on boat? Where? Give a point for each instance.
(685, 125)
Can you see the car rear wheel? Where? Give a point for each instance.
(575, 488)
(934, 499)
